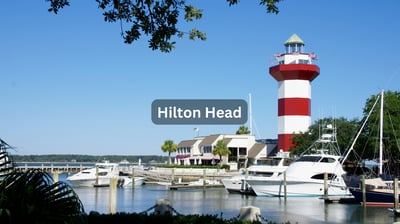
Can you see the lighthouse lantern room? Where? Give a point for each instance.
(294, 74)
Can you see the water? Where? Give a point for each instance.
(217, 201)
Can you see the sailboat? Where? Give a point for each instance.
(373, 191)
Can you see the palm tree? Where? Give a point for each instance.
(243, 130)
(32, 197)
(221, 149)
(6, 162)
(169, 147)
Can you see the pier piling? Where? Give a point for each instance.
(113, 195)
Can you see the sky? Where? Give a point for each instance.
(69, 85)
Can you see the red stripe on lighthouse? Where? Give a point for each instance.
(294, 71)
(294, 106)
(285, 141)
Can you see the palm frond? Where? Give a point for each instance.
(33, 197)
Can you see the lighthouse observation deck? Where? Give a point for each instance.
(294, 63)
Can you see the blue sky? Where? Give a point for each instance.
(69, 85)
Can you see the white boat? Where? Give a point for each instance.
(306, 176)
(126, 180)
(271, 167)
(100, 176)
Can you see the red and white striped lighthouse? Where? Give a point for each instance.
(294, 74)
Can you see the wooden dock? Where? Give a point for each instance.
(51, 167)
(341, 200)
(193, 186)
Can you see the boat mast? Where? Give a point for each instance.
(251, 116)
(381, 135)
(359, 131)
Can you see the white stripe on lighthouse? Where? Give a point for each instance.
(293, 124)
(289, 124)
(294, 88)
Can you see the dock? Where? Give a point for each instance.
(51, 167)
(341, 200)
(193, 186)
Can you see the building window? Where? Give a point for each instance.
(242, 151)
(234, 151)
(207, 149)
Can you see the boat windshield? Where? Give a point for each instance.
(309, 159)
(105, 166)
(271, 162)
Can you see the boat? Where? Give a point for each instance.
(372, 188)
(100, 176)
(271, 167)
(311, 175)
(126, 180)
(197, 184)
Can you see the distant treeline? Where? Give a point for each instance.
(89, 158)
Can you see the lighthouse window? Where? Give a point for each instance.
(293, 48)
(303, 61)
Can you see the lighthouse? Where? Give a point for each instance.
(294, 74)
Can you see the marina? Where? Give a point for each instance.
(217, 201)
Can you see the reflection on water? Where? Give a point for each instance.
(218, 202)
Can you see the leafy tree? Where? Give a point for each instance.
(155, 18)
(169, 147)
(32, 197)
(221, 149)
(243, 130)
(391, 128)
(345, 130)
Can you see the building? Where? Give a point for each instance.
(294, 74)
(245, 150)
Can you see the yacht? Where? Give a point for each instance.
(271, 167)
(306, 176)
(100, 176)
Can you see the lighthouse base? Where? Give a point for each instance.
(285, 142)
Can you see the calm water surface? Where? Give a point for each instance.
(218, 202)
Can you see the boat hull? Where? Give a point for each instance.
(373, 198)
(90, 182)
(276, 188)
(237, 186)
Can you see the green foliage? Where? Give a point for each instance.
(155, 18)
(391, 128)
(88, 158)
(169, 147)
(6, 162)
(271, 5)
(32, 197)
(56, 5)
(243, 130)
(345, 131)
(221, 149)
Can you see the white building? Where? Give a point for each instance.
(245, 150)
